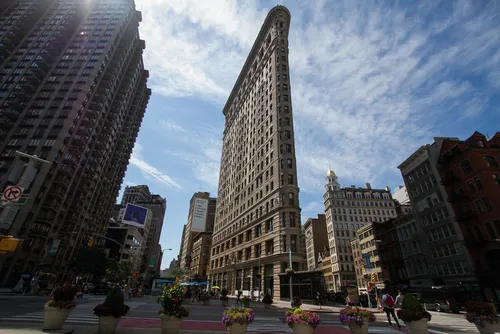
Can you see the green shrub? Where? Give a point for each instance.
(114, 305)
(267, 299)
(412, 310)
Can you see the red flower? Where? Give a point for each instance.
(175, 300)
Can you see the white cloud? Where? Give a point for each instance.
(149, 171)
(170, 125)
(370, 83)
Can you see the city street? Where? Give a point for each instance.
(22, 313)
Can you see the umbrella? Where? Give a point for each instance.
(185, 284)
(215, 287)
(203, 283)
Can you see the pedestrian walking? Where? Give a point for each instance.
(399, 300)
(238, 297)
(348, 301)
(388, 307)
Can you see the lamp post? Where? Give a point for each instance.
(290, 278)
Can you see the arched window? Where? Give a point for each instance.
(490, 161)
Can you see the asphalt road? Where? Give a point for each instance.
(27, 311)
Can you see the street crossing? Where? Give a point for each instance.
(76, 316)
(269, 325)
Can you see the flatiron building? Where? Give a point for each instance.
(257, 217)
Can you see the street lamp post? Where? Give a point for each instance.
(290, 278)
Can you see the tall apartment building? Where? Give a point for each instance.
(316, 240)
(470, 172)
(73, 92)
(156, 205)
(201, 218)
(134, 194)
(447, 261)
(258, 214)
(347, 210)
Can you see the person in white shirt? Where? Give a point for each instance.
(399, 300)
(388, 306)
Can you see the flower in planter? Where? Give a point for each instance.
(63, 297)
(114, 305)
(412, 310)
(238, 315)
(355, 315)
(171, 300)
(480, 313)
(299, 316)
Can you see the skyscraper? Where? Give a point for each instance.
(258, 215)
(201, 218)
(73, 92)
(157, 206)
(348, 209)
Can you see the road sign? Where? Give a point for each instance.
(22, 200)
(12, 193)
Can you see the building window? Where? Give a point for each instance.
(258, 230)
(290, 179)
(490, 161)
(292, 219)
(471, 186)
(490, 230)
(479, 186)
(496, 178)
(289, 163)
(293, 242)
(291, 199)
(466, 166)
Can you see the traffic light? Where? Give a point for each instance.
(374, 277)
(8, 244)
(135, 275)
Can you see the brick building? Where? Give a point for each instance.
(471, 176)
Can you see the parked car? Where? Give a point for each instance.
(440, 300)
(101, 289)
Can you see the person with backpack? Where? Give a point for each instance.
(388, 307)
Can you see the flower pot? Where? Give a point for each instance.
(170, 325)
(302, 329)
(418, 326)
(268, 306)
(54, 317)
(108, 324)
(237, 328)
(489, 328)
(224, 303)
(357, 329)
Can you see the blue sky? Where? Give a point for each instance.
(371, 82)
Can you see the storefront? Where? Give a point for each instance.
(305, 285)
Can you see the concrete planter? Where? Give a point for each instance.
(418, 327)
(489, 328)
(356, 329)
(302, 329)
(170, 325)
(237, 328)
(108, 324)
(54, 317)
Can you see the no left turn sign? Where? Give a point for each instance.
(12, 193)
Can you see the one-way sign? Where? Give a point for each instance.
(12, 193)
